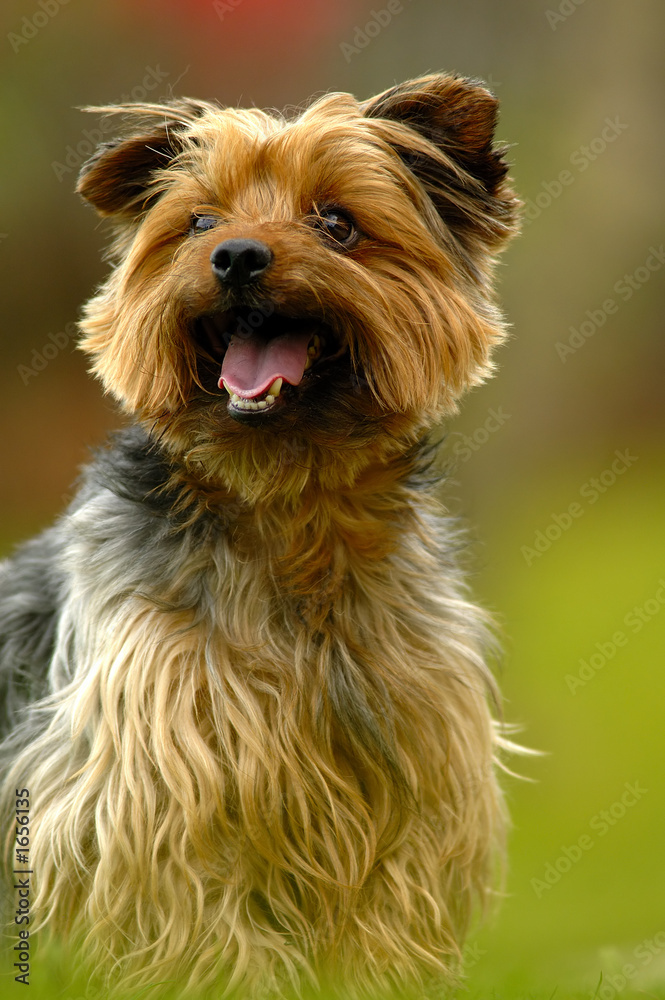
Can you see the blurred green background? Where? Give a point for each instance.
(569, 536)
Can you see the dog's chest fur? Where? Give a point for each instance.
(220, 719)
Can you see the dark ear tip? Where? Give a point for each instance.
(91, 163)
(117, 177)
(449, 107)
(456, 114)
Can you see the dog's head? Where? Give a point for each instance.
(289, 289)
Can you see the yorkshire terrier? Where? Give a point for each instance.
(246, 697)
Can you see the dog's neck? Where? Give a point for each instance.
(325, 545)
(332, 530)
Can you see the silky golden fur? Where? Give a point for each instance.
(278, 769)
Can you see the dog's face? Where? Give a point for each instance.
(319, 283)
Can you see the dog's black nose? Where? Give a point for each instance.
(239, 262)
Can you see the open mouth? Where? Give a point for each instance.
(262, 354)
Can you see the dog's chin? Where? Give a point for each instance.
(266, 363)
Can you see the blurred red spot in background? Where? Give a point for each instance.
(276, 26)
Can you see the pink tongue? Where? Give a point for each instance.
(251, 364)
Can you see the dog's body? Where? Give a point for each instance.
(244, 687)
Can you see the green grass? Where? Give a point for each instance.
(51, 979)
(608, 731)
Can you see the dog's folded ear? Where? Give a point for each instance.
(457, 115)
(117, 178)
(458, 162)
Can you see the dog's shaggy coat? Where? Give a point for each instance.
(243, 682)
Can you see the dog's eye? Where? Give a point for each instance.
(201, 223)
(338, 225)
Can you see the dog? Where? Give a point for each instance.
(247, 702)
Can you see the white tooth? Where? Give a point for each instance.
(261, 404)
(276, 387)
(252, 405)
(234, 398)
(270, 399)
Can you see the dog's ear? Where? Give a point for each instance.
(462, 170)
(456, 115)
(117, 178)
